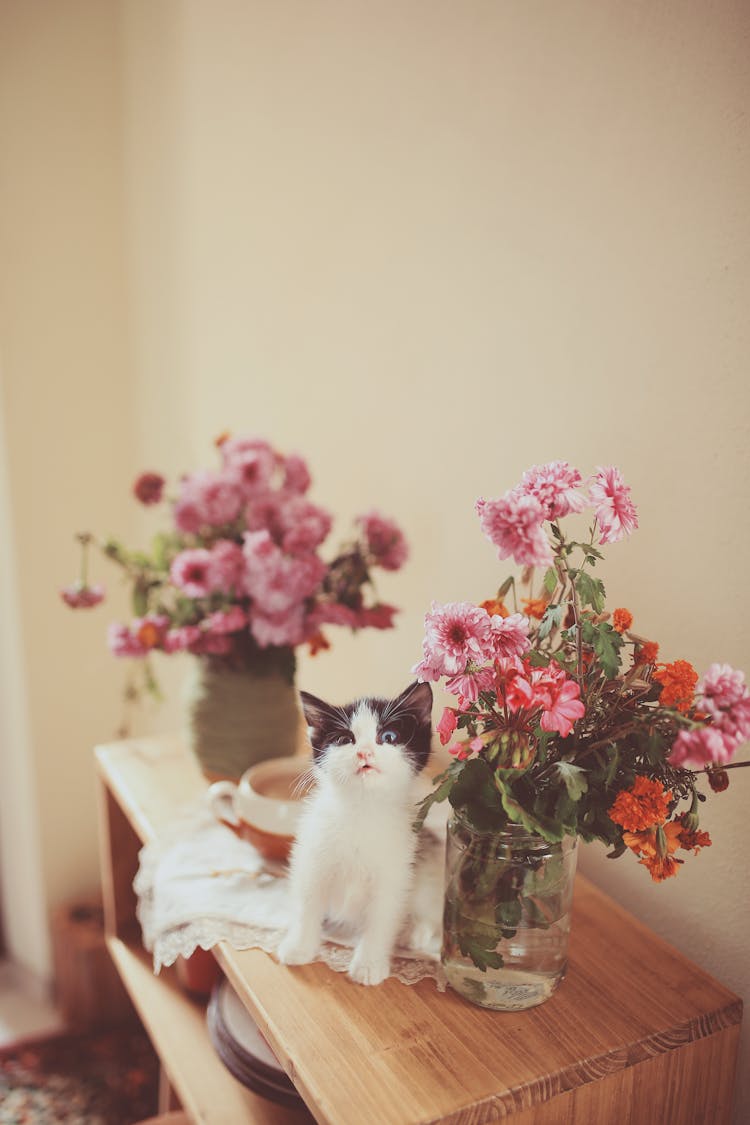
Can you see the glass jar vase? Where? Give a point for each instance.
(506, 920)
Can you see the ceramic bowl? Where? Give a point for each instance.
(264, 806)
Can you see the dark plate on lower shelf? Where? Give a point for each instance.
(243, 1050)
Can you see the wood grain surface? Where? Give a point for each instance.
(634, 1030)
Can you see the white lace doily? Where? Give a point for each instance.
(199, 885)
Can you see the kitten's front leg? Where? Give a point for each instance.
(302, 939)
(371, 961)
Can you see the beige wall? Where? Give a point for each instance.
(427, 244)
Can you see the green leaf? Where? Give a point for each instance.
(553, 615)
(591, 591)
(607, 644)
(538, 659)
(484, 959)
(574, 779)
(544, 826)
(550, 581)
(439, 794)
(140, 598)
(503, 590)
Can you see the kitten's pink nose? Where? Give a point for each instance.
(365, 755)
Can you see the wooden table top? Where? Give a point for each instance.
(414, 1055)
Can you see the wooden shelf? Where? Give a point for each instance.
(636, 1034)
(177, 1025)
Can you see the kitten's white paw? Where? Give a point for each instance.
(297, 950)
(425, 938)
(369, 970)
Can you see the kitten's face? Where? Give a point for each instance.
(378, 743)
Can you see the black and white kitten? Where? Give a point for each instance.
(353, 859)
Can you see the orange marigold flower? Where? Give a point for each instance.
(647, 653)
(661, 867)
(657, 842)
(678, 682)
(695, 840)
(495, 607)
(223, 437)
(643, 806)
(318, 643)
(535, 607)
(622, 619)
(149, 634)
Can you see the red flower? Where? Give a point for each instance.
(148, 488)
(80, 596)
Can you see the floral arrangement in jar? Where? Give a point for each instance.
(566, 723)
(238, 578)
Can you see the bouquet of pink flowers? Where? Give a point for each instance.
(239, 575)
(565, 721)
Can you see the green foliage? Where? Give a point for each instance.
(590, 591)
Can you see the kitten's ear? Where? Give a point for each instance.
(417, 698)
(318, 715)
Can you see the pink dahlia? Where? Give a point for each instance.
(614, 510)
(191, 571)
(455, 634)
(80, 596)
(555, 487)
(510, 635)
(122, 642)
(207, 499)
(701, 747)
(304, 526)
(514, 524)
(230, 620)
(226, 573)
(384, 540)
(251, 469)
(278, 582)
(296, 474)
(280, 629)
(183, 638)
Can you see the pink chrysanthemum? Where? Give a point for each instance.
(184, 638)
(230, 620)
(614, 510)
(468, 685)
(513, 524)
(226, 574)
(510, 635)
(721, 689)
(278, 582)
(455, 634)
(304, 525)
(555, 487)
(279, 629)
(207, 500)
(191, 572)
(384, 540)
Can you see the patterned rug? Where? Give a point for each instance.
(102, 1078)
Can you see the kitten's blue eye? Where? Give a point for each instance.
(389, 737)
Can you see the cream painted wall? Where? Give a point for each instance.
(430, 244)
(67, 406)
(426, 244)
